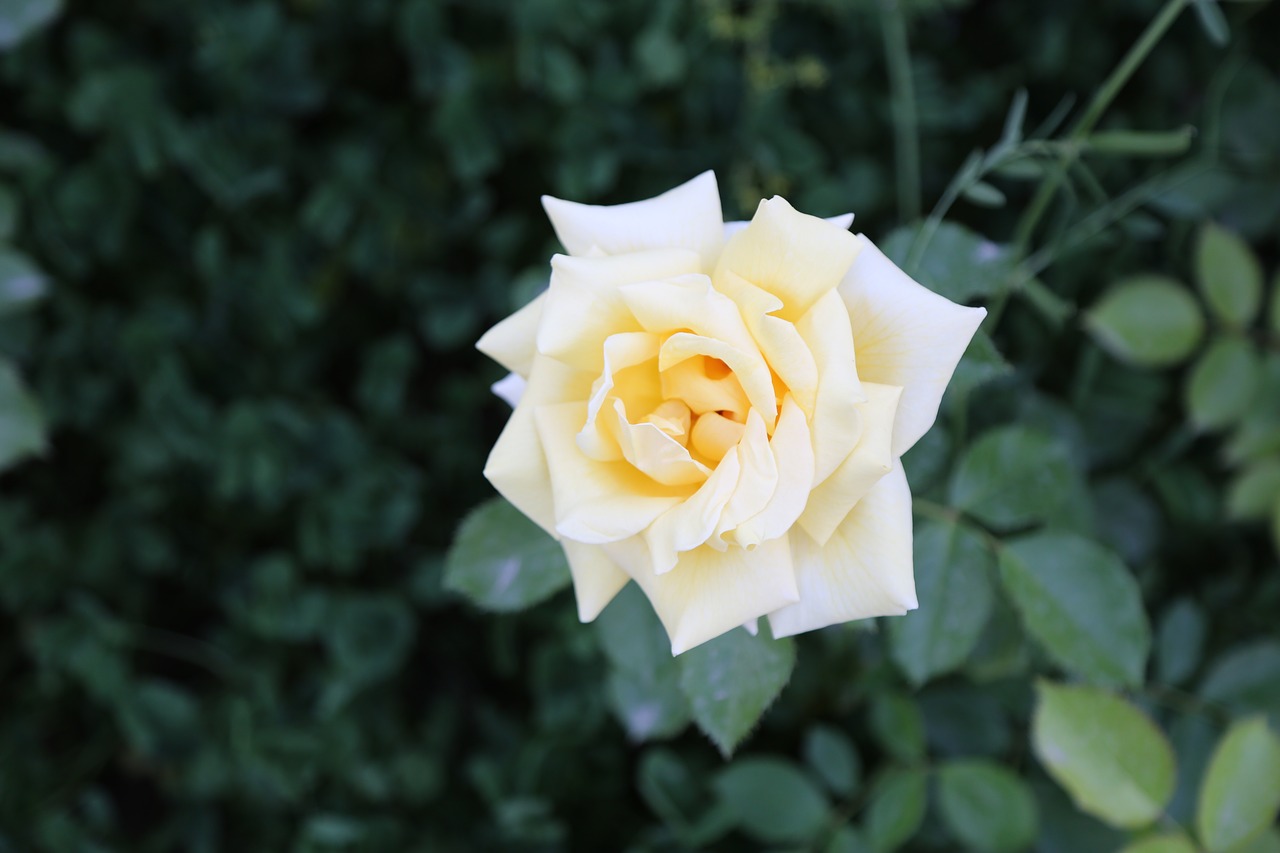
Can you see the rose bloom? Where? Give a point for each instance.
(717, 410)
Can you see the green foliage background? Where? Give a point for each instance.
(244, 420)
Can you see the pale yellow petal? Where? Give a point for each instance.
(843, 221)
(594, 501)
(687, 217)
(517, 466)
(690, 523)
(621, 353)
(654, 453)
(513, 341)
(596, 578)
(836, 419)
(757, 480)
(794, 256)
(710, 592)
(583, 304)
(905, 335)
(793, 459)
(746, 364)
(864, 569)
(870, 460)
(510, 389)
(688, 303)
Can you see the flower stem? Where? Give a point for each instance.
(1093, 112)
(906, 140)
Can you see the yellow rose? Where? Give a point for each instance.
(716, 411)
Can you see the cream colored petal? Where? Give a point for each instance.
(692, 522)
(793, 459)
(620, 352)
(864, 569)
(595, 502)
(517, 466)
(687, 217)
(512, 342)
(779, 341)
(836, 422)
(905, 335)
(583, 304)
(655, 453)
(843, 221)
(870, 460)
(689, 303)
(710, 592)
(747, 366)
(596, 578)
(757, 480)
(510, 388)
(794, 256)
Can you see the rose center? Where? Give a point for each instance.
(707, 389)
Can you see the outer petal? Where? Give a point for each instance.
(687, 217)
(794, 256)
(511, 342)
(864, 569)
(710, 592)
(596, 578)
(907, 335)
(595, 502)
(517, 466)
(873, 457)
(510, 388)
(843, 221)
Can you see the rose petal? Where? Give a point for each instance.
(621, 352)
(757, 480)
(692, 522)
(870, 460)
(792, 255)
(687, 217)
(836, 420)
(907, 335)
(595, 502)
(747, 366)
(596, 578)
(864, 569)
(793, 459)
(510, 388)
(655, 453)
(512, 342)
(843, 221)
(710, 592)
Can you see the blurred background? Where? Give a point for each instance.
(245, 250)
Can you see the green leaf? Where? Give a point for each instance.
(21, 281)
(1169, 842)
(678, 797)
(1080, 603)
(1246, 679)
(896, 808)
(981, 363)
(1240, 794)
(1212, 21)
(730, 682)
(502, 561)
(953, 566)
(21, 422)
(1111, 758)
(1147, 320)
(1223, 383)
(986, 806)
(1011, 477)
(648, 707)
(898, 725)
(1255, 490)
(21, 19)
(830, 754)
(1228, 274)
(10, 208)
(370, 635)
(958, 263)
(771, 800)
(1275, 304)
(1180, 641)
(1266, 842)
(984, 195)
(1135, 143)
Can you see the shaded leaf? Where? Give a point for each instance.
(1180, 641)
(1246, 679)
(1170, 842)
(21, 19)
(830, 754)
(986, 805)
(1228, 274)
(1147, 320)
(1255, 490)
(21, 281)
(1012, 476)
(1223, 383)
(21, 422)
(500, 560)
(771, 800)
(895, 810)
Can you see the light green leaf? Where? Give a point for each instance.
(1241, 790)
(1080, 603)
(771, 800)
(730, 682)
(1147, 320)
(953, 568)
(1139, 143)
(648, 707)
(21, 422)
(1228, 274)
(1169, 842)
(898, 725)
(1267, 842)
(21, 281)
(1246, 679)
(986, 806)
(984, 195)
(1012, 476)
(830, 754)
(1223, 383)
(502, 561)
(1212, 21)
(1112, 759)
(1255, 490)
(896, 808)
(1179, 641)
(21, 19)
